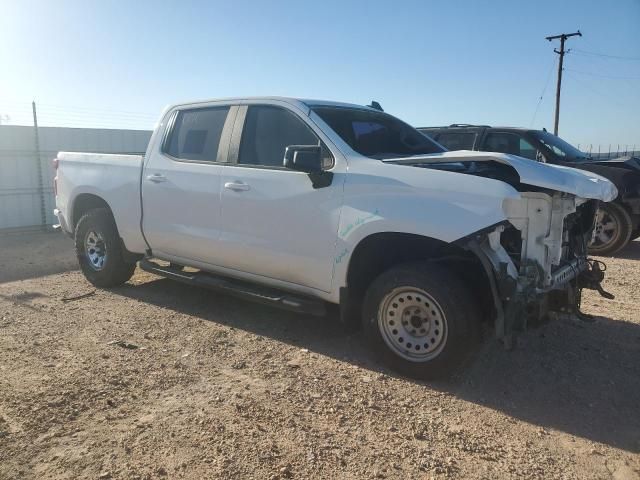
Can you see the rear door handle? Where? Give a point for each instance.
(237, 186)
(157, 178)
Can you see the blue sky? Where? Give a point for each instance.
(118, 63)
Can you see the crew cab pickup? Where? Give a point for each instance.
(617, 222)
(301, 203)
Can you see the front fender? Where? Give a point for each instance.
(437, 204)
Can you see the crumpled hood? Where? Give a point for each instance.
(554, 177)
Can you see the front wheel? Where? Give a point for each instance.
(421, 320)
(99, 250)
(613, 229)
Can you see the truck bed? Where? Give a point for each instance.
(112, 177)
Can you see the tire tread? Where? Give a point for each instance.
(454, 297)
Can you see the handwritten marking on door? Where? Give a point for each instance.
(357, 222)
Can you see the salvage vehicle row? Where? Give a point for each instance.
(617, 222)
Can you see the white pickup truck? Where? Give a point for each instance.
(302, 203)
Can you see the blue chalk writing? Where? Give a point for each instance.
(341, 256)
(358, 221)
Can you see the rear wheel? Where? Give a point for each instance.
(99, 250)
(420, 320)
(613, 229)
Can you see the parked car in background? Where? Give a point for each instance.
(300, 203)
(617, 222)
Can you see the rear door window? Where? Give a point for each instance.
(457, 140)
(196, 134)
(505, 142)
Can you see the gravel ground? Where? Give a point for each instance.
(34, 255)
(158, 380)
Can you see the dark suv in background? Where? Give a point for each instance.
(617, 222)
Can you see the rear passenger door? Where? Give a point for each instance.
(275, 224)
(181, 184)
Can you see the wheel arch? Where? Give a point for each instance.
(378, 252)
(84, 202)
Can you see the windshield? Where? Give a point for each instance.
(560, 147)
(377, 134)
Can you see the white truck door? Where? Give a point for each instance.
(274, 222)
(181, 184)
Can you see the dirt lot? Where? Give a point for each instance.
(220, 388)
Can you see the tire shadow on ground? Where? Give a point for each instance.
(575, 377)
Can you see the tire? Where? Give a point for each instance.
(432, 340)
(100, 251)
(613, 229)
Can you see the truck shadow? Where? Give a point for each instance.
(630, 252)
(35, 254)
(578, 378)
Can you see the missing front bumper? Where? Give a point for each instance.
(525, 295)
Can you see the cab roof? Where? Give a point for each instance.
(301, 103)
(462, 126)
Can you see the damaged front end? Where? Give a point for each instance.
(536, 261)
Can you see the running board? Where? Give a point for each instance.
(238, 288)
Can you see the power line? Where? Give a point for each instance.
(113, 115)
(70, 108)
(589, 87)
(601, 75)
(546, 84)
(92, 108)
(71, 122)
(595, 54)
(110, 117)
(76, 117)
(96, 110)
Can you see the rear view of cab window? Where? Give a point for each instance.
(196, 134)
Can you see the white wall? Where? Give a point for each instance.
(21, 198)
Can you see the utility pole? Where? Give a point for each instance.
(40, 173)
(563, 37)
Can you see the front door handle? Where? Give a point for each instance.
(157, 178)
(237, 186)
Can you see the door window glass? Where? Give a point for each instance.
(509, 143)
(267, 132)
(457, 141)
(196, 134)
(555, 149)
(527, 150)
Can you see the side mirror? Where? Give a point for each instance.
(540, 157)
(303, 158)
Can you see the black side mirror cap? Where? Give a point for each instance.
(303, 158)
